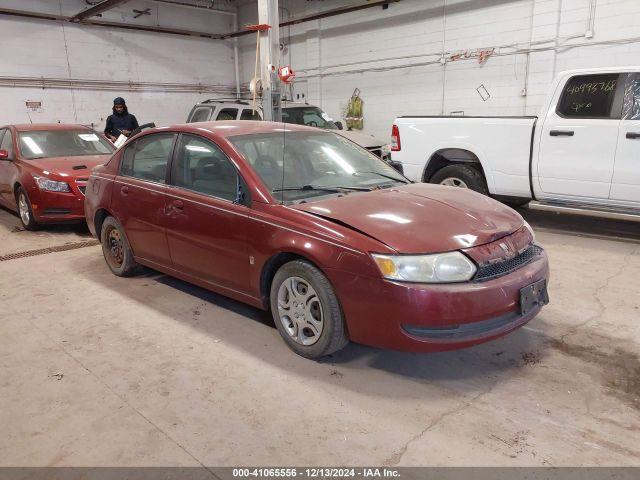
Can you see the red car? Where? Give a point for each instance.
(335, 242)
(44, 169)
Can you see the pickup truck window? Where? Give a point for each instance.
(588, 96)
(631, 105)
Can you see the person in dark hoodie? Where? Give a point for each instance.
(121, 121)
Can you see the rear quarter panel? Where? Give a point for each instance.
(98, 192)
(502, 144)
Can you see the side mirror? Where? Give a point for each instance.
(339, 125)
(4, 155)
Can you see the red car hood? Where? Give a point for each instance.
(65, 165)
(421, 218)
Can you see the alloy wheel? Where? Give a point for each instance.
(23, 208)
(300, 311)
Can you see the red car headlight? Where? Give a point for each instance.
(446, 267)
(49, 185)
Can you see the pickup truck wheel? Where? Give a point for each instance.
(517, 203)
(461, 176)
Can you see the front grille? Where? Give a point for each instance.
(504, 267)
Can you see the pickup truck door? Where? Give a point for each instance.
(579, 137)
(626, 173)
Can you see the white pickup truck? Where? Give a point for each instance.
(581, 154)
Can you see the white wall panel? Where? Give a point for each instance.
(337, 54)
(40, 48)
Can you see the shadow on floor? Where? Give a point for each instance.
(470, 370)
(616, 230)
(11, 222)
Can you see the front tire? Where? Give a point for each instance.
(116, 249)
(25, 211)
(306, 310)
(461, 176)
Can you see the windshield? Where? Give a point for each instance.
(298, 166)
(309, 116)
(62, 143)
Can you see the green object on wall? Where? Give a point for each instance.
(355, 117)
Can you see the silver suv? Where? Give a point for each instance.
(292, 112)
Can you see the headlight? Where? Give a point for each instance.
(440, 268)
(51, 185)
(533, 234)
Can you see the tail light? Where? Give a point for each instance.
(395, 139)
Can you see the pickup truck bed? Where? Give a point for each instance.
(581, 151)
(466, 139)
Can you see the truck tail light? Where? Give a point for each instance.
(395, 139)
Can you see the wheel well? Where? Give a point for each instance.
(98, 219)
(269, 270)
(16, 186)
(450, 156)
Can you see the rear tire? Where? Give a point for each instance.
(25, 212)
(306, 310)
(462, 176)
(517, 202)
(116, 249)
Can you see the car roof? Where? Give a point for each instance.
(30, 127)
(232, 128)
(247, 103)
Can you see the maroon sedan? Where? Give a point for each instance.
(335, 242)
(44, 169)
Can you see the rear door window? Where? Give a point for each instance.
(588, 96)
(227, 114)
(147, 158)
(200, 114)
(250, 114)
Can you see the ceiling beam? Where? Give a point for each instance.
(28, 14)
(96, 9)
(319, 15)
(105, 23)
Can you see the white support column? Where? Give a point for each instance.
(270, 55)
(314, 57)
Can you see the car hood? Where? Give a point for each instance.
(362, 139)
(420, 218)
(69, 166)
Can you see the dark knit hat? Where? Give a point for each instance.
(118, 101)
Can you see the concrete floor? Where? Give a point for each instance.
(102, 371)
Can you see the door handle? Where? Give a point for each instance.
(124, 190)
(177, 205)
(633, 135)
(561, 133)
